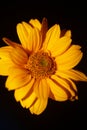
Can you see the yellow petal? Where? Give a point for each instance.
(29, 37)
(14, 70)
(52, 36)
(5, 51)
(19, 78)
(23, 91)
(70, 58)
(36, 88)
(72, 74)
(73, 90)
(16, 53)
(34, 40)
(44, 89)
(41, 89)
(68, 34)
(23, 35)
(27, 41)
(5, 65)
(19, 56)
(39, 106)
(60, 46)
(66, 84)
(60, 94)
(5, 60)
(29, 100)
(35, 23)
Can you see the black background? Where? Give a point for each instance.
(58, 115)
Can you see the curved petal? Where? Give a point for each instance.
(39, 106)
(72, 74)
(5, 51)
(68, 85)
(29, 36)
(62, 89)
(23, 35)
(19, 56)
(70, 58)
(19, 78)
(23, 91)
(60, 94)
(60, 46)
(15, 70)
(52, 36)
(5, 65)
(73, 90)
(41, 89)
(5, 60)
(35, 40)
(27, 102)
(10, 43)
(15, 52)
(36, 23)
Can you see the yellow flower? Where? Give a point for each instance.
(41, 67)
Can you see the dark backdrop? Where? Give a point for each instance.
(58, 115)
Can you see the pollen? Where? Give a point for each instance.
(41, 65)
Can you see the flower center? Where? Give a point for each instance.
(41, 65)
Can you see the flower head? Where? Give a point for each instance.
(42, 66)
